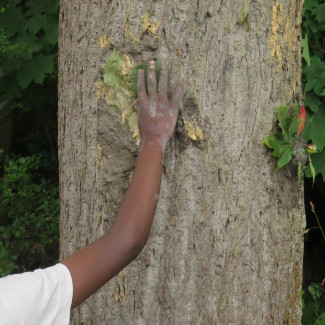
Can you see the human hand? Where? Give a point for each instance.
(157, 115)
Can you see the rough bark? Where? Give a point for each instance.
(227, 241)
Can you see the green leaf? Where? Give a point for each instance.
(11, 20)
(126, 125)
(285, 155)
(35, 70)
(316, 291)
(284, 117)
(315, 74)
(305, 52)
(310, 4)
(318, 164)
(38, 7)
(312, 170)
(47, 23)
(302, 299)
(293, 129)
(314, 130)
(36, 23)
(29, 43)
(299, 172)
(112, 75)
(113, 79)
(273, 140)
(51, 30)
(283, 143)
(288, 124)
(320, 13)
(321, 320)
(312, 101)
(132, 77)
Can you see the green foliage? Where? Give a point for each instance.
(299, 172)
(6, 261)
(116, 74)
(121, 88)
(315, 129)
(132, 77)
(29, 213)
(313, 27)
(283, 142)
(29, 179)
(318, 162)
(113, 75)
(305, 52)
(28, 44)
(313, 305)
(315, 75)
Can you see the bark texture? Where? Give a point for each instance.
(226, 245)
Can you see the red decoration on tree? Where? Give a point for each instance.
(302, 119)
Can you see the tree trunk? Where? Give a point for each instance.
(226, 246)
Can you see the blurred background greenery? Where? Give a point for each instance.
(29, 200)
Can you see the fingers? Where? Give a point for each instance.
(141, 86)
(162, 87)
(163, 83)
(151, 79)
(178, 94)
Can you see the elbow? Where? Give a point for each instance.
(130, 237)
(136, 245)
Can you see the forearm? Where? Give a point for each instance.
(109, 254)
(135, 216)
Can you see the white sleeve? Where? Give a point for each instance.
(42, 297)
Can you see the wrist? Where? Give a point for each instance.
(158, 141)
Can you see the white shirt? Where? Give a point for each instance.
(42, 297)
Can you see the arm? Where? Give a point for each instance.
(94, 265)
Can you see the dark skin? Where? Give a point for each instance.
(97, 263)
